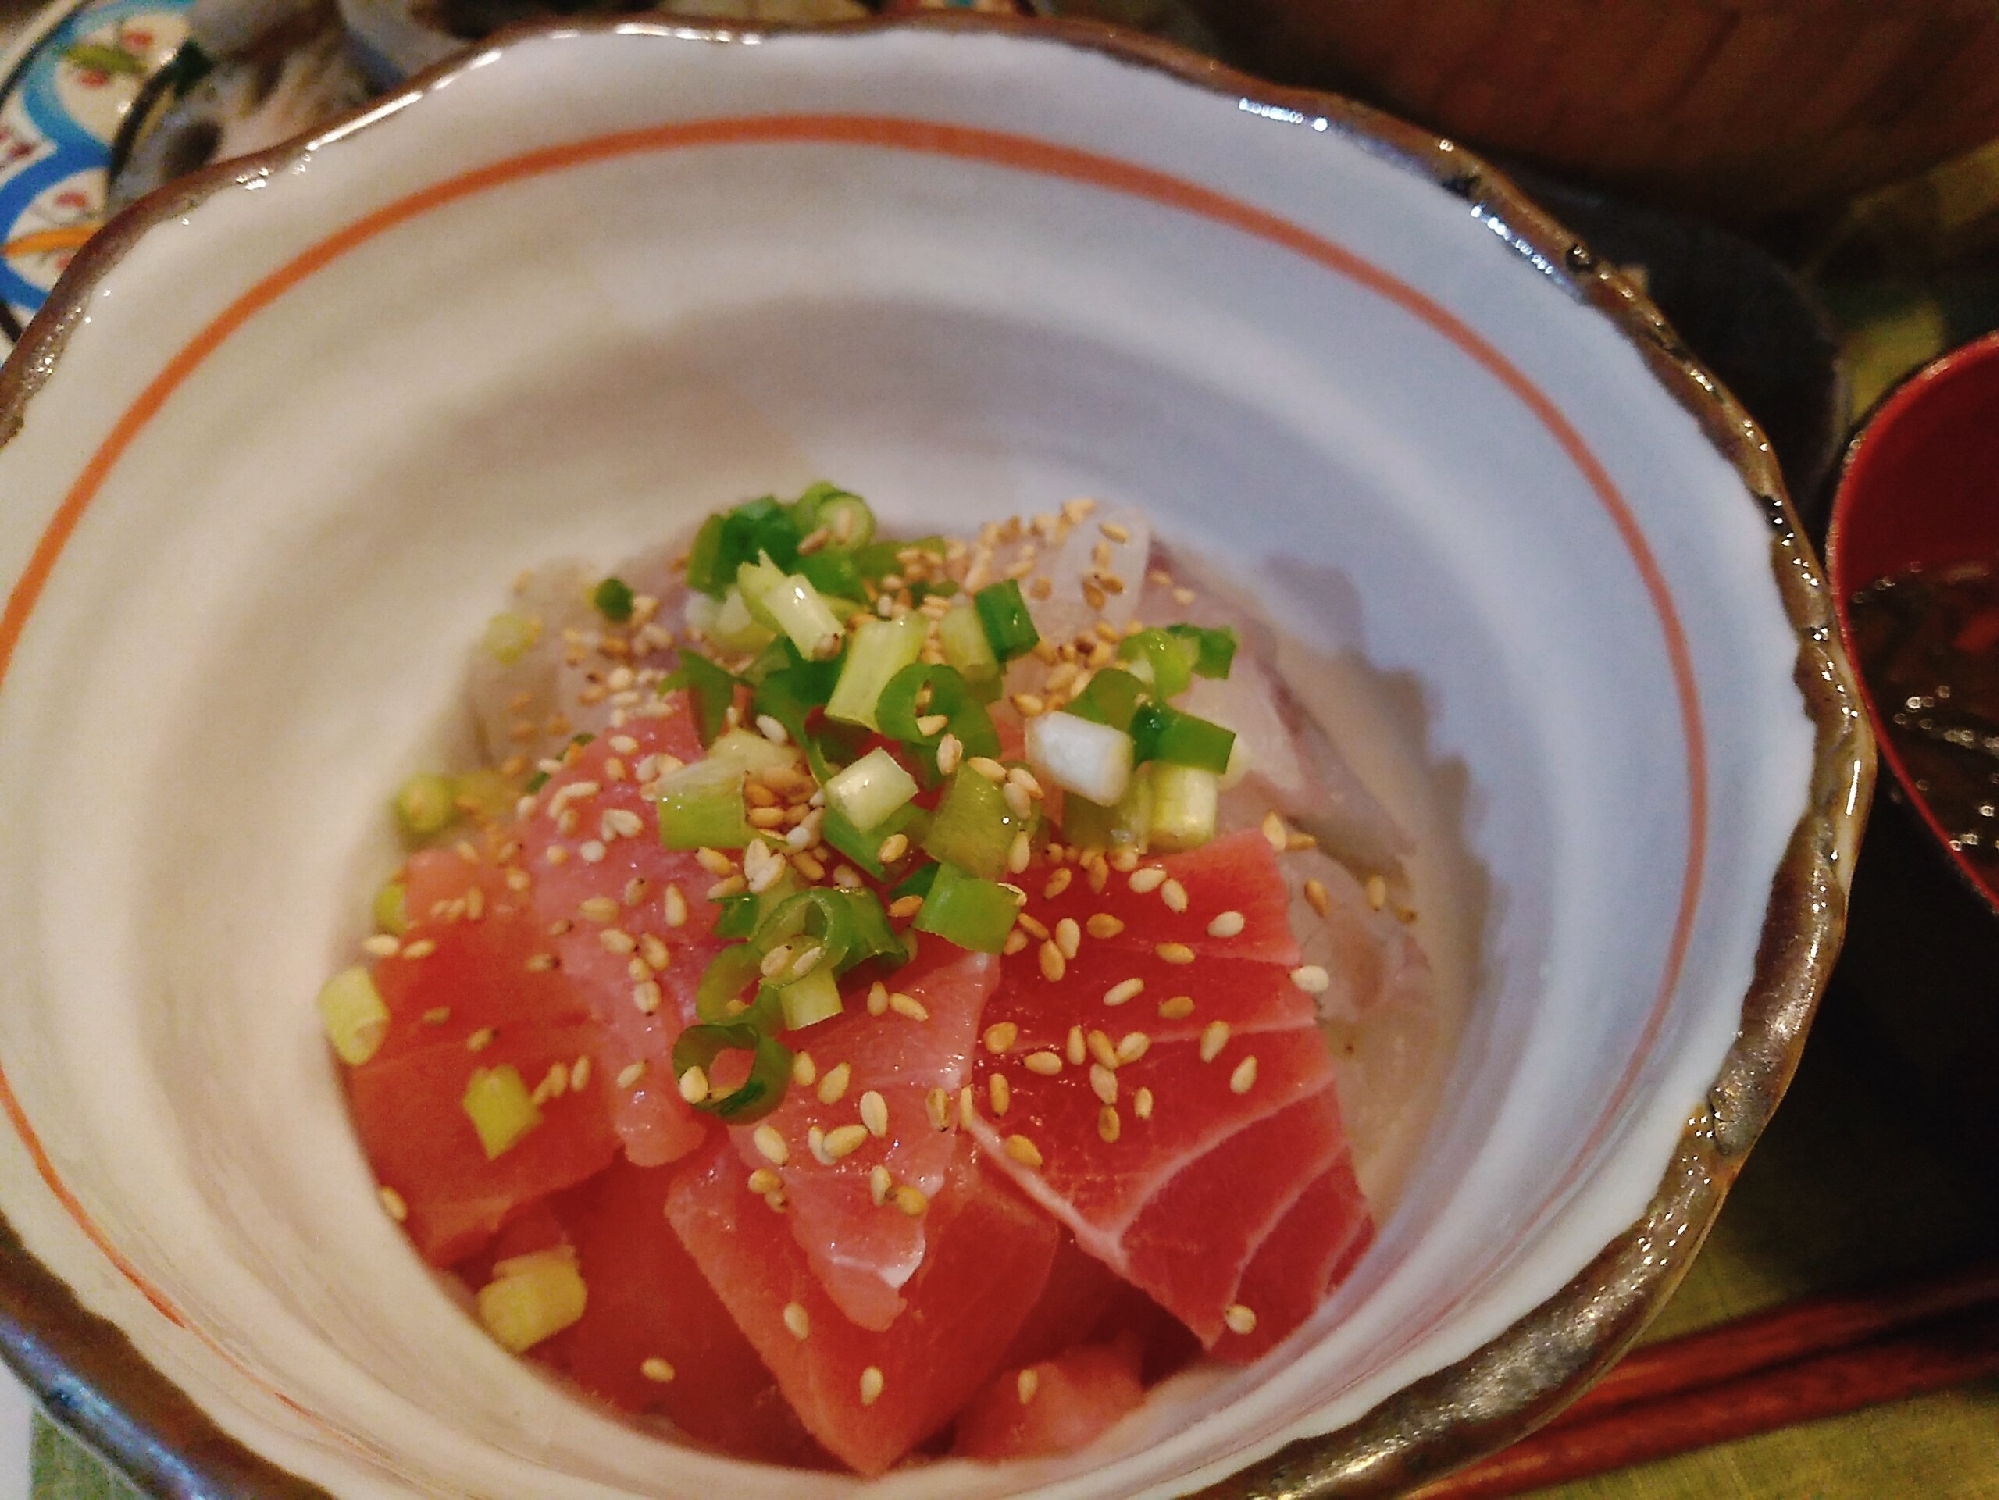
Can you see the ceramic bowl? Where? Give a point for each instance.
(284, 435)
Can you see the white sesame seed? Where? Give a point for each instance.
(646, 997)
(1053, 965)
(877, 999)
(874, 1114)
(833, 1083)
(1074, 1047)
(999, 1092)
(770, 1145)
(1132, 1046)
(871, 1385)
(1148, 880)
(1068, 937)
(1312, 979)
(393, 1204)
(771, 730)
(381, 945)
(845, 1140)
(480, 1040)
(1243, 1079)
(763, 1182)
(1024, 1151)
(1103, 1083)
(597, 909)
(1240, 1319)
(617, 940)
(911, 1200)
(908, 1005)
(1214, 1037)
(797, 1321)
(1174, 895)
(1103, 1050)
(1057, 883)
(1141, 1104)
(804, 1072)
(631, 1073)
(421, 948)
(950, 752)
(1109, 1126)
(1123, 990)
(591, 852)
(656, 1370)
(1174, 953)
(1227, 925)
(1047, 1064)
(1001, 1035)
(893, 848)
(879, 1183)
(694, 1085)
(1275, 833)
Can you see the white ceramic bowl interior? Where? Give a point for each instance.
(308, 430)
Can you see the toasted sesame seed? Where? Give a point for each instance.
(421, 948)
(1024, 1151)
(631, 1073)
(879, 1184)
(770, 1145)
(763, 1182)
(555, 854)
(767, 818)
(1001, 1035)
(874, 1114)
(1057, 883)
(1174, 895)
(871, 1385)
(1295, 843)
(1103, 1083)
(1103, 1049)
(797, 1321)
(845, 1140)
(1046, 1063)
(877, 999)
(480, 1040)
(1073, 1047)
(1099, 873)
(393, 1203)
(646, 997)
(987, 767)
(999, 1092)
(1053, 965)
(1019, 801)
(656, 1370)
(622, 822)
(675, 906)
(967, 1110)
(950, 751)
(1141, 1104)
(1148, 880)
(937, 1104)
(1124, 990)
(1115, 532)
(617, 940)
(1029, 705)
(694, 1085)
(655, 952)
(1240, 1319)
(1176, 1008)
(437, 1015)
(1019, 853)
(893, 848)
(1377, 892)
(539, 963)
(1132, 1046)
(1015, 941)
(1025, 1384)
(1109, 1127)
(1175, 953)
(579, 1073)
(1214, 1037)
(1227, 925)
(1275, 833)
(595, 909)
(518, 880)
(1032, 926)
(804, 1071)
(1321, 899)
(381, 945)
(833, 1083)
(1312, 979)
(905, 906)
(1243, 1079)
(591, 852)
(910, 1199)
(1103, 925)
(1068, 936)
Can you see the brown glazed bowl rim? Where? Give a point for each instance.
(86, 1372)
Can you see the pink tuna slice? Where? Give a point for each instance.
(864, 1251)
(587, 810)
(1237, 1178)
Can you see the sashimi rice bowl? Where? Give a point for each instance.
(894, 816)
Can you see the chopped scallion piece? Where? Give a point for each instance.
(790, 605)
(753, 754)
(974, 828)
(391, 908)
(424, 804)
(845, 517)
(813, 998)
(863, 847)
(1216, 648)
(948, 694)
(1185, 805)
(728, 977)
(531, 1298)
(1111, 698)
(1164, 661)
(870, 789)
(966, 647)
(354, 1015)
(613, 600)
(963, 909)
(509, 637)
(1092, 760)
(770, 1068)
(1003, 612)
(878, 650)
(1127, 825)
(1162, 733)
(734, 628)
(500, 1107)
(712, 690)
(484, 794)
(848, 925)
(701, 807)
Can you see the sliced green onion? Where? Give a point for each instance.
(531, 1298)
(848, 521)
(849, 926)
(1185, 804)
(725, 542)
(863, 846)
(354, 1015)
(1162, 733)
(1004, 614)
(834, 575)
(509, 637)
(813, 998)
(966, 647)
(753, 754)
(789, 604)
(916, 883)
(708, 570)
(712, 689)
(1090, 759)
(1111, 698)
(718, 997)
(963, 909)
(484, 794)
(770, 1068)
(950, 697)
(1127, 825)
(613, 600)
(424, 804)
(701, 807)
(882, 558)
(1162, 660)
(1216, 648)
(500, 1107)
(391, 908)
(877, 651)
(734, 628)
(974, 828)
(870, 789)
